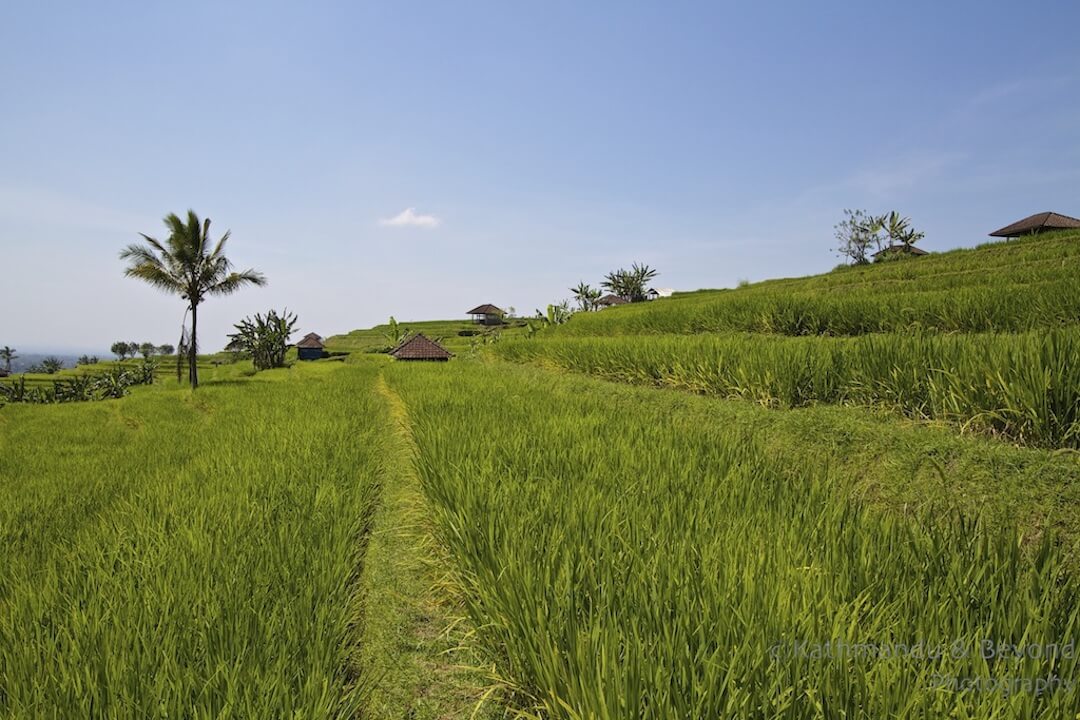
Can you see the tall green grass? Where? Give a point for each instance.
(624, 561)
(1004, 308)
(1023, 387)
(1004, 287)
(188, 555)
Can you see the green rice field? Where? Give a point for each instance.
(848, 496)
(999, 287)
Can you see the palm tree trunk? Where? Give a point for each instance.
(193, 351)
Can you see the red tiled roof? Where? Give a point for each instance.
(612, 300)
(486, 309)
(419, 347)
(909, 249)
(312, 341)
(1036, 223)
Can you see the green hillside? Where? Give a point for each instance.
(911, 345)
(1004, 286)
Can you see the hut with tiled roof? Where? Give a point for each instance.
(901, 249)
(610, 300)
(487, 314)
(420, 347)
(1040, 222)
(311, 347)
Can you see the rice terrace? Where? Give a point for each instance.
(826, 493)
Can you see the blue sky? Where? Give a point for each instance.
(538, 144)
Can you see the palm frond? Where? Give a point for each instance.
(157, 276)
(219, 249)
(199, 232)
(155, 244)
(235, 281)
(138, 255)
(179, 241)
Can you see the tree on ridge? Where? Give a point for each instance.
(186, 264)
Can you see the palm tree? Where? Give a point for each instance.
(586, 295)
(7, 355)
(185, 265)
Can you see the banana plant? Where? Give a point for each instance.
(265, 339)
(395, 334)
(899, 230)
(586, 296)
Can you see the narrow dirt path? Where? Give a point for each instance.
(411, 651)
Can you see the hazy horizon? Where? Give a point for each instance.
(418, 160)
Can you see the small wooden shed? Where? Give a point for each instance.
(487, 314)
(1035, 224)
(420, 347)
(311, 347)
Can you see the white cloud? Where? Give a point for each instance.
(409, 218)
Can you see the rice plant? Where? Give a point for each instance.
(621, 560)
(1005, 287)
(1025, 387)
(179, 555)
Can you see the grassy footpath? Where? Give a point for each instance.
(628, 553)
(259, 548)
(413, 647)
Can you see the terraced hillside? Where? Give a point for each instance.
(998, 287)
(984, 339)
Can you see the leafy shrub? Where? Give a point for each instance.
(264, 339)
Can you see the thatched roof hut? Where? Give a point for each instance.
(310, 348)
(1038, 223)
(609, 300)
(899, 250)
(420, 347)
(487, 314)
